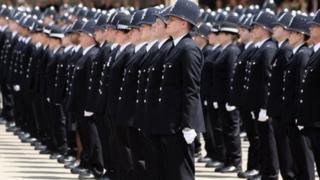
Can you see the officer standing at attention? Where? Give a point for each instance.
(258, 72)
(222, 76)
(179, 108)
(308, 102)
(274, 107)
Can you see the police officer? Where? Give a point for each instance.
(222, 74)
(255, 90)
(236, 92)
(179, 105)
(274, 107)
(308, 99)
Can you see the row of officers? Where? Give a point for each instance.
(130, 91)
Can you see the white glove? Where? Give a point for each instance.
(16, 87)
(263, 115)
(299, 127)
(205, 103)
(189, 135)
(215, 105)
(230, 108)
(252, 115)
(48, 99)
(87, 114)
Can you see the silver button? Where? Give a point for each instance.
(159, 99)
(301, 101)
(120, 98)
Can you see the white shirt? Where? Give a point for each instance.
(138, 47)
(224, 47)
(149, 46)
(114, 46)
(161, 43)
(123, 47)
(76, 49)
(66, 49)
(215, 46)
(38, 45)
(178, 39)
(85, 51)
(55, 50)
(316, 47)
(260, 43)
(280, 43)
(296, 48)
(248, 44)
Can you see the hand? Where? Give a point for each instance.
(189, 135)
(230, 108)
(263, 115)
(16, 87)
(87, 114)
(300, 127)
(215, 105)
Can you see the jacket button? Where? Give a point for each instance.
(283, 98)
(159, 99)
(160, 89)
(301, 91)
(119, 98)
(144, 101)
(301, 101)
(137, 101)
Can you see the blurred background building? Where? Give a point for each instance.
(305, 5)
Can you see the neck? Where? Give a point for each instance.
(179, 34)
(88, 45)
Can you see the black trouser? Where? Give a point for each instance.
(253, 138)
(305, 149)
(104, 135)
(139, 143)
(121, 150)
(313, 135)
(217, 129)
(231, 135)
(30, 116)
(7, 102)
(58, 129)
(91, 155)
(268, 149)
(210, 115)
(172, 158)
(40, 107)
(281, 133)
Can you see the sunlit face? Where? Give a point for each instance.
(159, 27)
(99, 35)
(213, 38)
(146, 32)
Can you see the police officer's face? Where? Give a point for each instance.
(146, 32)
(159, 28)
(279, 33)
(135, 36)
(244, 35)
(315, 33)
(258, 33)
(174, 25)
(99, 35)
(213, 38)
(295, 38)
